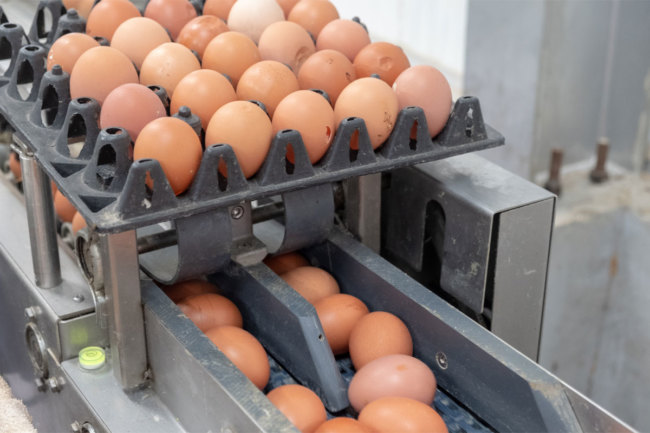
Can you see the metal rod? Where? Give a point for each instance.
(157, 241)
(599, 173)
(267, 212)
(168, 238)
(125, 317)
(554, 184)
(40, 217)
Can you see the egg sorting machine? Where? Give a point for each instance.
(390, 231)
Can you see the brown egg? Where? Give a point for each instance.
(209, 310)
(300, 405)
(137, 37)
(244, 351)
(246, 128)
(131, 106)
(313, 15)
(83, 7)
(287, 43)
(231, 53)
(327, 70)
(379, 334)
(179, 291)
(218, 8)
(171, 14)
(267, 81)
(313, 284)
(345, 36)
(100, 70)
(399, 414)
(425, 87)
(372, 100)
(107, 16)
(63, 208)
(176, 147)
(287, 5)
(204, 91)
(78, 222)
(381, 58)
(14, 166)
(251, 17)
(197, 34)
(310, 114)
(392, 376)
(166, 65)
(67, 49)
(343, 425)
(338, 314)
(285, 262)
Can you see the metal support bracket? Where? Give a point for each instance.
(478, 233)
(40, 217)
(121, 275)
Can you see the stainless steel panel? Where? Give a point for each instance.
(126, 327)
(496, 239)
(522, 250)
(205, 391)
(108, 408)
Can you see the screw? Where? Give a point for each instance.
(40, 385)
(54, 384)
(553, 183)
(32, 312)
(441, 359)
(78, 298)
(87, 428)
(237, 212)
(599, 174)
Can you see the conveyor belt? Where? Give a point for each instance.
(457, 418)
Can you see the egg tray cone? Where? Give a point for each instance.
(109, 189)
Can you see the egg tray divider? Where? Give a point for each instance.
(110, 191)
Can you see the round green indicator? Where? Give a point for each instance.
(92, 357)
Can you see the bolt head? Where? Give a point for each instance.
(40, 385)
(237, 212)
(441, 359)
(54, 384)
(30, 312)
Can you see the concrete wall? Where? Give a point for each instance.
(596, 330)
(561, 74)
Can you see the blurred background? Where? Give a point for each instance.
(560, 75)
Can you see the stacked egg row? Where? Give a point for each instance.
(391, 390)
(216, 67)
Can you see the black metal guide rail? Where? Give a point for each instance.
(110, 190)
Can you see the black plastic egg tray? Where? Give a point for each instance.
(111, 191)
